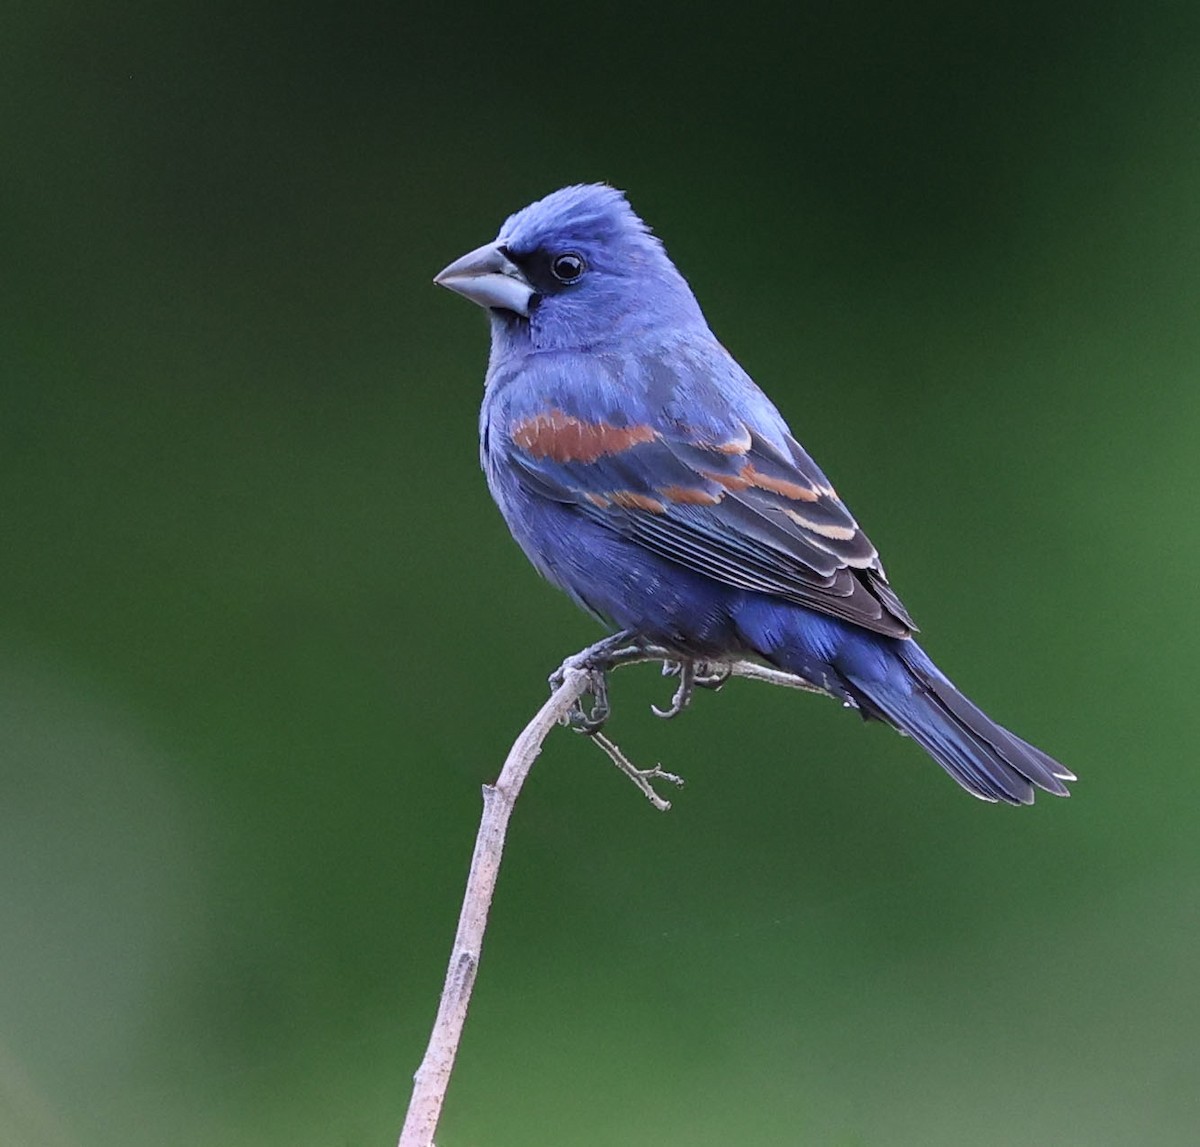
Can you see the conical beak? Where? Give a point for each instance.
(487, 276)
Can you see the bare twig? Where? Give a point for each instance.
(640, 777)
(753, 671)
(578, 676)
(433, 1076)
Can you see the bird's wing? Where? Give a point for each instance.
(723, 500)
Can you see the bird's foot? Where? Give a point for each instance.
(591, 719)
(682, 698)
(626, 648)
(640, 777)
(596, 661)
(600, 655)
(692, 675)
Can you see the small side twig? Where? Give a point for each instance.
(571, 683)
(640, 777)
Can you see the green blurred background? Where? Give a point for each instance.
(263, 635)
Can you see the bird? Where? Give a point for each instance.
(645, 474)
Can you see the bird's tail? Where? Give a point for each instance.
(986, 759)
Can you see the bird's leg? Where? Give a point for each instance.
(626, 648)
(594, 656)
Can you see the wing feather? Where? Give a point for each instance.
(748, 508)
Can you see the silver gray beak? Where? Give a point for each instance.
(487, 276)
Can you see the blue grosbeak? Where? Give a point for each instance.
(645, 474)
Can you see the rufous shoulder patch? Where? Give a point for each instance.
(561, 437)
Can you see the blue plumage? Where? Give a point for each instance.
(645, 474)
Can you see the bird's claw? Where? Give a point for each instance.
(692, 675)
(596, 661)
(712, 675)
(682, 698)
(591, 720)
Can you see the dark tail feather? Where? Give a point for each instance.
(983, 757)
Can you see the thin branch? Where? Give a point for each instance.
(640, 777)
(433, 1076)
(753, 671)
(578, 676)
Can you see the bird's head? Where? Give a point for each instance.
(574, 271)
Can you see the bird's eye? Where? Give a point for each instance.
(568, 267)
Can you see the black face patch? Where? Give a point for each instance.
(545, 269)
